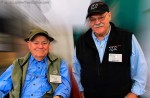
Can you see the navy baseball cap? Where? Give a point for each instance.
(97, 8)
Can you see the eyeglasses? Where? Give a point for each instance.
(100, 18)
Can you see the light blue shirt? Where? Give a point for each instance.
(36, 83)
(138, 64)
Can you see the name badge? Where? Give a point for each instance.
(55, 78)
(115, 57)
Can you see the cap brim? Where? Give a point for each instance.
(95, 12)
(48, 37)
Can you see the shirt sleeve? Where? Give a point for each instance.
(138, 68)
(64, 89)
(76, 71)
(6, 82)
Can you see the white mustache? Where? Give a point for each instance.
(98, 25)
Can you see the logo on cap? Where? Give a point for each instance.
(94, 6)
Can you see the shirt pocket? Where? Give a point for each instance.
(27, 80)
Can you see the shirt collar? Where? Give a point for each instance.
(33, 59)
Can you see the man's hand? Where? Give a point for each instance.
(57, 97)
(131, 95)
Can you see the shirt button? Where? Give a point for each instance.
(36, 76)
(31, 94)
(33, 84)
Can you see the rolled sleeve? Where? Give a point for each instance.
(138, 68)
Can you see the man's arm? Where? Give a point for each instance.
(6, 82)
(138, 69)
(76, 68)
(64, 89)
(76, 72)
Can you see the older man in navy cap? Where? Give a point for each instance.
(39, 74)
(108, 61)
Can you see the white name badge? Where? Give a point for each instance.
(115, 57)
(55, 78)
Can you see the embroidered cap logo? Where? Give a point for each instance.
(94, 6)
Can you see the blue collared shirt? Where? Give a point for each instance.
(36, 83)
(138, 64)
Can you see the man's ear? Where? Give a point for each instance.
(110, 15)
